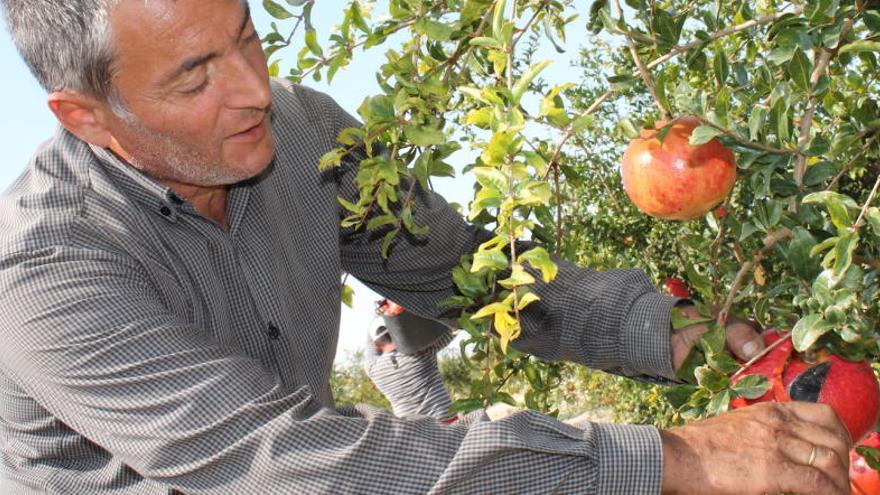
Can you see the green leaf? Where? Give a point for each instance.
(799, 69)
(751, 386)
(312, 43)
(494, 259)
(523, 84)
(386, 242)
(276, 10)
(721, 362)
(873, 216)
(871, 455)
(719, 403)
(420, 135)
(721, 66)
(798, 253)
(502, 145)
(837, 205)
(380, 221)
(843, 253)
(498, 18)
(679, 394)
(703, 134)
(434, 30)
(540, 259)
(756, 121)
(535, 194)
(713, 341)
(687, 370)
(872, 20)
(861, 46)
(808, 330)
(711, 379)
(348, 295)
(819, 173)
(469, 284)
(466, 405)
(678, 319)
(829, 196)
(486, 42)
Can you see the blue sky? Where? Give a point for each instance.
(26, 122)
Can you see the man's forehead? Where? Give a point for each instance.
(167, 31)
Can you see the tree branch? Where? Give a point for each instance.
(643, 71)
(800, 167)
(683, 48)
(771, 240)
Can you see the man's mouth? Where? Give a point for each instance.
(254, 132)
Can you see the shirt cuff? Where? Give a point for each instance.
(630, 459)
(646, 336)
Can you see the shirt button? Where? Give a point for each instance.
(165, 211)
(273, 332)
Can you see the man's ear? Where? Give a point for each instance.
(83, 116)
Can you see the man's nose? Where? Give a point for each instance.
(248, 83)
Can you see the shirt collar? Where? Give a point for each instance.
(139, 186)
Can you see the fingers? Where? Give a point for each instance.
(682, 341)
(743, 341)
(820, 414)
(799, 478)
(802, 453)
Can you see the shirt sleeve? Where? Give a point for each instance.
(88, 336)
(613, 320)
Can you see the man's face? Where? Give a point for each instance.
(194, 79)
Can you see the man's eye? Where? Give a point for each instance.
(198, 89)
(253, 37)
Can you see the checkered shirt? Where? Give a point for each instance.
(145, 350)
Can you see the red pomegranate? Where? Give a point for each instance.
(672, 179)
(862, 479)
(676, 287)
(850, 388)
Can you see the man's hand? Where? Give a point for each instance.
(764, 448)
(743, 339)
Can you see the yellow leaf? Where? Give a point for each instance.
(760, 276)
(494, 308)
(507, 327)
(527, 299)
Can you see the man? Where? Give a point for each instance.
(411, 380)
(169, 285)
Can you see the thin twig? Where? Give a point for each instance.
(852, 162)
(769, 242)
(643, 71)
(867, 204)
(867, 261)
(761, 354)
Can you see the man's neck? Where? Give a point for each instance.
(208, 201)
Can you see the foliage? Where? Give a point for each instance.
(791, 87)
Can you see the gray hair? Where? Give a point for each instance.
(66, 44)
